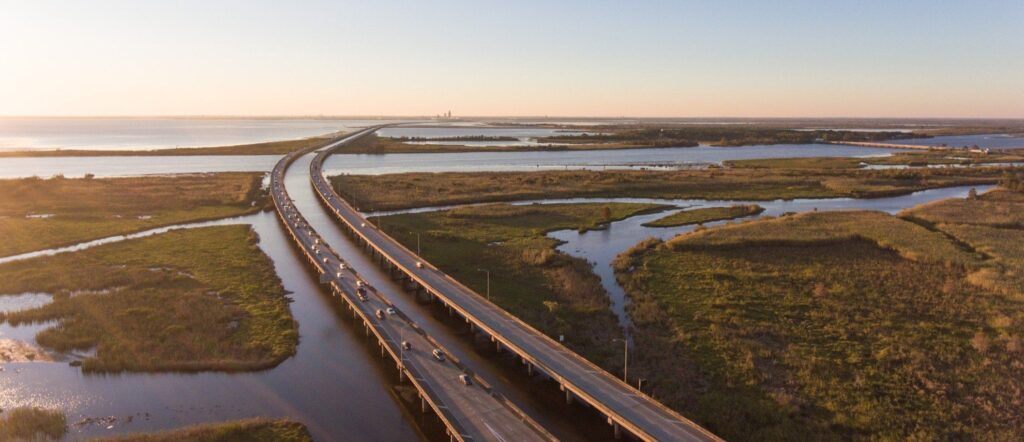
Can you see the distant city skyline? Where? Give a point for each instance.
(791, 59)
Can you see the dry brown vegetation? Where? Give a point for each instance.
(840, 325)
(406, 190)
(32, 424)
(79, 210)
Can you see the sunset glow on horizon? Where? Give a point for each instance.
(531, 58)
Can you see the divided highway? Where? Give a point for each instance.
(464, 402)
(624, 406)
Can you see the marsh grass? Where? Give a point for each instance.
(910, 240)
(254, 430)
(816, 327)
(407, 190)
(558, 294)
(87, 209)
(705, 215)
(196, 299)
(32, 424)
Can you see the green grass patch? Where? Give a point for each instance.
(187, 300)
(32, 424)
(550, 290)
(255, 430)
(819, 327)
(705, 215)
(78, 210)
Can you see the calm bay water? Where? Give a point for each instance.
(993, 141)
(159, 133)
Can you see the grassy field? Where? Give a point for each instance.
(38, 214)
(406, 190)
(992, 223)
(998, 208)
(705, 215)
(188, 300)
(843, 325)
(552, 291)
(268, 148)
(32, 424)
(254, 430)
(909, 240)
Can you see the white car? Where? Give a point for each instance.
(438, 354)
(390, 310)
(419, 264)
(466, 379)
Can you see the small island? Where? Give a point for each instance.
(705, 215)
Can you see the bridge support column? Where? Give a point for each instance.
(568, 396)
(423, 404)
(497, 346)
(617, 430)
(529, 369)
(382, 353)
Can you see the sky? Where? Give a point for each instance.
(763, 58)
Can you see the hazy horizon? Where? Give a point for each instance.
(601, 59)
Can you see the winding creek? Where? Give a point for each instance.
(334, 384)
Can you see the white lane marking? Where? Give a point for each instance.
(495, 433)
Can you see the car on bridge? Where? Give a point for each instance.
(438, 354)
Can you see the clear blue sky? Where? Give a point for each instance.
(583, 58)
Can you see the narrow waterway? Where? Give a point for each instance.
(334, 384)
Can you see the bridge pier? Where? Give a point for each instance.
(529, 369)
(617, 431)
(568, 396)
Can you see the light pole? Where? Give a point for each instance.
(488, 272)
(625, 359)
(640, 384)
(417, 242)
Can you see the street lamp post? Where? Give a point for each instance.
(417, 242)
(625, 359)
(488, 272)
